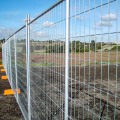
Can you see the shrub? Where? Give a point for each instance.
(115, 48)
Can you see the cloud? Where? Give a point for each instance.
(40, 34)
(104, 23)
(78, 17)
(101, 24)
(5, 32)
(109, 17)
(48, 24)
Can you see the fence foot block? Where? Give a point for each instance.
(11, 91)
(3, 70)
(4, 77)
(1, 65)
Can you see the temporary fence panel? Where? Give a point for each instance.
(94, 59)
(47, 61)
(21, 70)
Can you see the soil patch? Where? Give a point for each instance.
(9, 109)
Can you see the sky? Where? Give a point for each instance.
(13, 12)
(105, 18)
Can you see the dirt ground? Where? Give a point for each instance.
(86, 90)
(9, 109)
(93, 90)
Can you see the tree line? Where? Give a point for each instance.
(74, 46)
(2, 40)
(59, 46)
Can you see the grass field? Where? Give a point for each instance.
(86, 58)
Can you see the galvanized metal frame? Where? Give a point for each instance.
(67, 57)
(70, 82)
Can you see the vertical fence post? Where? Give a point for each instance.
(2, 53)
(29, 102)
(28, 64)
(11, 83)
(67, 57)
(16, 64)
(6, 57)
(6, 54)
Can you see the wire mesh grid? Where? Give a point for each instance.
(21, 71)
(94, 62)
(48, 64)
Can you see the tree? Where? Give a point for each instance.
(57, 48)
(78, 46)
(92, 45)
(2, 40)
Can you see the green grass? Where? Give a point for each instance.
(106, 63)
(97, 63)
(43, 64)
(38, 52)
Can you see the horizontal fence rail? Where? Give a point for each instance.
(66, 62)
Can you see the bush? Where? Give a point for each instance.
(0, 49)
(78, 46)
(115, 48)
(57, 48)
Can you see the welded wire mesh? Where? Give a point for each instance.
(94, 62)
(21, 71)
(94, 59)
(14, 61)
(47, 64)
